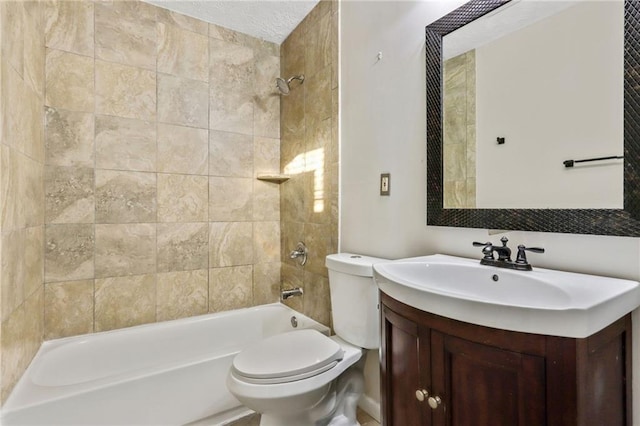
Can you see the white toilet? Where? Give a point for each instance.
(304, 378)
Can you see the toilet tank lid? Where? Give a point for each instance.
(354, 264)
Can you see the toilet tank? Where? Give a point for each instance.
(354, 298)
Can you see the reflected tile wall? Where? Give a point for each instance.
(309, 153)
(156, 127)
(22, 155)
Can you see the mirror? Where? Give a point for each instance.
(495, 105)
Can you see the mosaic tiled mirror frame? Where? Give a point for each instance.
(621, 222)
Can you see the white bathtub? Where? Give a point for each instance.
(169, 373)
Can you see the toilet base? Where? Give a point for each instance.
(337, 408)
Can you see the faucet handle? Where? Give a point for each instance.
(521, 258)
(487, 249)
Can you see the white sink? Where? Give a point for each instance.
(541, 301)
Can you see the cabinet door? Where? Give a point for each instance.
(482, 385)
(400, 375)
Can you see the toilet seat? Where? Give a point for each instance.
(287, 357)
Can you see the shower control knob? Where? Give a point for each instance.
(421, 395)
(434, 402)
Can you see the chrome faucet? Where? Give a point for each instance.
(297, 291)
(504, 255)
(300, 252)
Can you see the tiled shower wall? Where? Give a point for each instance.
(22, 58)
(156, 125)
(310, 154)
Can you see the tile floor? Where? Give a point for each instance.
(254, 420)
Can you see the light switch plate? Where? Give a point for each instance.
(385, 184)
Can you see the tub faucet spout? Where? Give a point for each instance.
(291, 293)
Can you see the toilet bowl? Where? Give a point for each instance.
(304, 378)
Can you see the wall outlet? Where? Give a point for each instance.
(385, 184)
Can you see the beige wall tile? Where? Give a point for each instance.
(185, 22)
(230, 244)
(318, 45)
(34, 323)
(292, 123)
(318, 99)
(125, 144)
(182, 53)
(12, 30)
(69, 26)
(125, 197)
(292, 53)
(317, 301)
(182, 198)
(231, 76)
(183, 246)
(125, 91)
(230, 199)
(310, 22)
(182, 294)
(68, 252)
(290, 234)
(230, 154)
(127, 249)
(267, 99)
(16, 110)
(292, 277)
(182, 101)
(140, 293)
(230, 288)
(68, 309)
(12, 186)
(32, 175)
(69, 195)
(266, 283)
(69, 138)
(13, 271)
(266, 155)
(318, 240)
(69, 81)
(266, 201)
(34, 52)
(33, 260)
(183, 150)
(126, 33)
(14, 350)
(294, 199)
(266, 242)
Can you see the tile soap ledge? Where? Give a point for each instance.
(274, 177)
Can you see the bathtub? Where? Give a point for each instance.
(168, 373)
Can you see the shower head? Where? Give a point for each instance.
(284, 85)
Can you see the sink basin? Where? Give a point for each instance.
(541, 301)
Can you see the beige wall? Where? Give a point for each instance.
(372, 114)
(21, 197)
(156, 125)
(309, 126)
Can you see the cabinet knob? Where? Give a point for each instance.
(421, 395)
(434, 401)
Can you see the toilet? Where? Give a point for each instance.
(304, 378)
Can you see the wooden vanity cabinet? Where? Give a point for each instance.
(481, 376)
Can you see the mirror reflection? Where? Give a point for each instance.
(526, 88)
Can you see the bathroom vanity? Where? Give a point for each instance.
(438, 371)
(465, 344)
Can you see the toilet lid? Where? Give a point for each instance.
(285, 357)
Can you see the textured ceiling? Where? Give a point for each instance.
(271, 20)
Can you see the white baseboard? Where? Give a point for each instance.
(370, 406)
